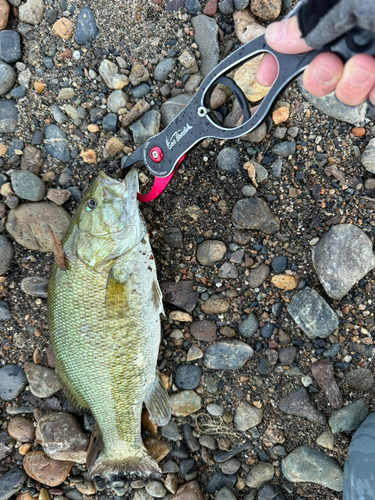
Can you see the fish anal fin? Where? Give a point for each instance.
(157, 297)
(157, 401)
(117, 297)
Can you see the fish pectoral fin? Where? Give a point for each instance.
(157, 296)
(117, 298)
(157, 401)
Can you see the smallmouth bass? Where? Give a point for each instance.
(104, 323)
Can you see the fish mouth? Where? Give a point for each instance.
(128, 188)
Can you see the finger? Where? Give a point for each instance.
(372, 95)
(323, 74)
(286, 37)
(267, 71)
(357, 81)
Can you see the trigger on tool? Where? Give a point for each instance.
(160, 183)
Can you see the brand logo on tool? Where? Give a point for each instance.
(177, 136)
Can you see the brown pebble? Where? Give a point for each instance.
(88, 156)
(3, 149)
(358, 131)
(284, 281)
(44, 469)
(157, 448)
(66, 54)
(36, 356)
(210, 8)
(280, 115)
(50, 357)
(86, 488)
(4, 14)
(63, 28)
(323, 373)
(25, 448)
(93, 128)
(22, 429)
(204, 330)
(58, 196)
(44, 495)
(49, 176)
(148, 424)
(39, 87)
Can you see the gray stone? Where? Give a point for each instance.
(31, 12)
(279, 132)
(247, 416)
(188, 376)
(6, 444)
(58, 114)
(227, 160)
(171, 108)
(227, 355)
(6, 255)
(241, 4)
(248, 190)
(276, 168)
(146, 127)
(163, 68)
(271, 492)
(210, 251)
(312, 314)
(140, 90)
(171, 431)
(225, 494)
(8, 116)
(257, 135)
(341, 258)
(173, 237)
(284, 149)
(216, 483)
(348, 418)
(230, 466)
(368, 157)
(10, 46)
(117, 100)
(216, 410)
(86, 30)
(4, 311)
(334, 108)
(193, 7)
(260, 475)
(249, 326)
(360, 379)
(192, 83)
(326, 440)
(287, 355)
(11, 482)
(24, 77)
(307, 464)
(207, 442)
(258, 275)
(331, 350)
(180, 294)
(156, 489)
(35, 285)
(43, 381)
(56, 143)
(18, 93)
(226, 7)
(298, 403)
(228, 271)
(110, 122)
(12, 381)
(279, 264)
(254, 213)
(206, 37)
(27, 185)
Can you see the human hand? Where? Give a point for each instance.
(353, 82)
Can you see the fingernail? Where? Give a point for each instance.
(359, 77)
(324, 75)
(276, 32)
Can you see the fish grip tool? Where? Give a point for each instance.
(163, 153)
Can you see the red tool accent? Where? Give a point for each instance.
(156, 154)
(160, 183)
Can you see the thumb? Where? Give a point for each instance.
(286, 37)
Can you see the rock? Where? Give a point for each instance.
(298, 403)
(368, 156)
(322, 371)
(214, 306)
(245, 78)
(163, 68)
(11, 482)
(171, 431)
(225, 494)
(192, 83)
(113, 79)
(139, 74)
(360, 379)
(35, 285)
(228, 271)
(312, 314)
(180, 316)
(58, 114)
(8, 115)
(157, 448)
(336, 273)
(43, 381)
(270, 491)
(227, 160)
(66, 94)
(307, 464)
(45, 470)
(193, 7)
(27, 185)
(18, 93)
(32, 159)
(326, 440)
(173, 107)
(219, 481)
(268, 10)
(184, 403)
(258, 276)
(58, 196)
(227, 355)
(259, 475)
(114, 146)
(4, 14)
(203, 330)
(334, 108)
(280, 115)
(189, 491)
(12, 381)
(146, 127)
(257, 135)
(156, 489)
(56, 143)
(21, 429)
(6, 255)
(110, 122)
(136, 112)
(24, 77)
(241, 4)
(63, 28)
(10, 46)
(211, 251)
(210, 8)
(28, 224)
(206, 37)
(117, 100)
(279, 264)
(247, 28)
(249, 326)
(188, 376)
(31, 12)
(287, 355)
(284, 149)
(140, 90)
(86, 30)
(180, 294)
(284, 281)
(251, 213)
(221, 456)
(226, 7)
(6, 445)
(348, 418)
(247, 416)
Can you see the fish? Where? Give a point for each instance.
(104, 322)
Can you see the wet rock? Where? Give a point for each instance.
(221, 456)
(360, 379)
(62, 438)
(326, 440)
(247, 416)
(163, 68)
(117, 100)
(146, 127)
(227, 355)
(110, 122)
(189, 491)
(322, 371)
(361, 349)
(44, 469)
(58, 196)
(157, 448)
(184, 403)
(249, 326)
(31, 12)
(341, 258)
(203, 330)
(228, 271)
(214, 306)
(32, 159)
(368, 158)
(245, 78)
(307, 464)
(173, 237)
(348, 418)
(156, 489)
(241, 4)
(298, 403)
(56, 143)
(211, 251)
(113, 79)
(58, 114)
(86, 30)
(219, 481)
(270, 492)
(11, 482)
(284, 149)
(260, 475)
(258, 276)
(6, 255)
(173, 107)
(8, 115)
(225, 494)
(312, 314)
(12, 381)
(247, 28)
(28, 224)
(180, 294)
(227, 160)
(287, 355)
(188, 376)
(251, 213)
(43, 381)
(10, 46)
(206, 37)
(22, 429)
(27, 185)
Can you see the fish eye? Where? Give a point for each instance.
(90, 204)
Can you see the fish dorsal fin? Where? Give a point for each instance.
(157, 401)
(157, 296)
(117, 298)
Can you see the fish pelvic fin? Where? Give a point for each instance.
(157, 401)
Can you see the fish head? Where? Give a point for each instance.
(109, 220)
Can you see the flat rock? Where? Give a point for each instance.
(227, 160)
(322, 371)
(258, 275)
(298, 403)
(349, 417)
(184, 403)
(260, 474)
(228, 271)
(163, 68)
(220, 480)
(28, 224)
(11, 482)
(31, 12)
(305, 464)
(6, 255)
(206, 37)
(326, 440)
(147, 126)
(22, 429)
(12, 381)
(56, 143)
(254, 213)
(43, 381)
(214, 306)
(46, 470)
(360, 379)
(227, 355)
(109, 72)
(225, 494)
(10, 46)
(312, 314)
(189, 491)
(203, 330)
(7, 444)
(287, 355)
(181, 294)
(341, 258)
(247, 416)
(245, 78)
(188, 376)
(173, 237)
(211, 251)
(173, 107)
(86, 30)
(7, 77)
(32, 159)
(368, 157)
(284, 149)
(8, 116)
(268, 10)
(249, 326)
(27, 185)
